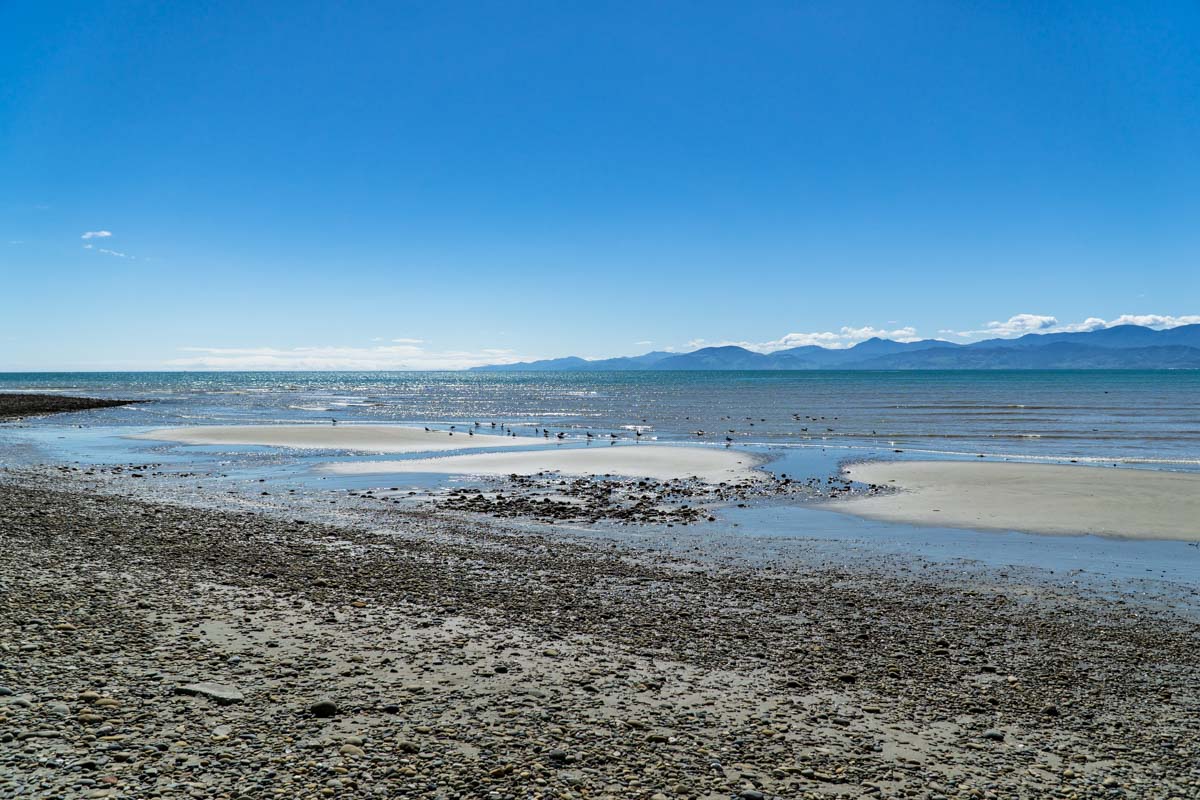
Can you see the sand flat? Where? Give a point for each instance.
(368, 438)
(658, 461)
(1036, 498)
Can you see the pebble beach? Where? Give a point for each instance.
(151, 648)
(158, 651)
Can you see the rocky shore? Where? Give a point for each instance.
(553, 498)
(153, 650)
(16, 406)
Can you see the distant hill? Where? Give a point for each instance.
(576, 364)
(1120, 336)
(1118, 347)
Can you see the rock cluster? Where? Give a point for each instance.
(549, 497)
(17, 405)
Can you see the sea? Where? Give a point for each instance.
(1132, 417)
(808, 423)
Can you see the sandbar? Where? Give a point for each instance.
(363, 438)
(1034, 498)
(657, 461)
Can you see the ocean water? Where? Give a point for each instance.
(807, 423)
(1149, 418)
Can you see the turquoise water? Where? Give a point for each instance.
(1150, 417)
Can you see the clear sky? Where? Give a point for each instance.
(389, 184)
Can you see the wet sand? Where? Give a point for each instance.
(361, 438)
(658, 461)
(1035, 498)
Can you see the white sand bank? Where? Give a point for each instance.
(661, 462)
(1038, 498)
(369, 438)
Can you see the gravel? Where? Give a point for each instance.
(469, 661)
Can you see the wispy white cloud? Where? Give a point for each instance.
(1155, 320)
(846, 336)
(106, 251)
(1016, 325)
(408, 356)
(414, 354)
(1089, 324)
(1021, 324)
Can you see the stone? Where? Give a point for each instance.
(220, 693)
(323, 709)
(351, 750)
(994, 735)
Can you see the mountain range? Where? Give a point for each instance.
(1118, 347)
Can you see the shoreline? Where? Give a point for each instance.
(1033, 498)
(373, 438)
(484, 659)
(19, 405)
(657, 461)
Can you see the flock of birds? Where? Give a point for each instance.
(505, 430)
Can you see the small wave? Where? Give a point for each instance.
(310, 408)
(1014, 456)
(36, 390)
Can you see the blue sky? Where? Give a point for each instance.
(400, 185)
